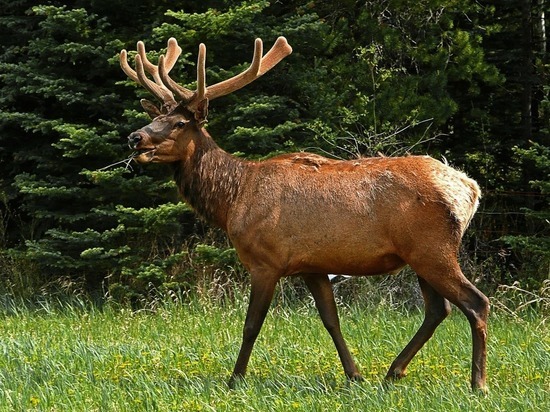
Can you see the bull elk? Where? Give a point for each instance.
(304, 214)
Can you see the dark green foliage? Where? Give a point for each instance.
(534, 249)
(441, 77)
(62, 120)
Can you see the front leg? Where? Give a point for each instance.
(321, 289)
(261, 295)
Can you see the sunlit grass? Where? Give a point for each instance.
(178, 358)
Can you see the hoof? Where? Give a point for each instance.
(481, 389)
(234, 381)
(356, 377)
(395, 375)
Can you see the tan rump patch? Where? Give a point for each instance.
(459, 192)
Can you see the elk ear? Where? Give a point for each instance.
(201, 112)
(152, 110)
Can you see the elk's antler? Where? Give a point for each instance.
(164, 88)
(259, 66)
(157, 88)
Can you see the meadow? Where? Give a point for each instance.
(177, 356)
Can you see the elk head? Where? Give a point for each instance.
(183, 112)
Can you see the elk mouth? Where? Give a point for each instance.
(144, 155)
(145, 150)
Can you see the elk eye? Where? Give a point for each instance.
(180, 125)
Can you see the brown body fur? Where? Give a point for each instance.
(305, 214)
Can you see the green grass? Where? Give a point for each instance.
(179, 356)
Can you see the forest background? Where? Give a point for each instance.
(461, 80)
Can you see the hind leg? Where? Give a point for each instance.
(437, 308)
(475, 305)
(446, 278)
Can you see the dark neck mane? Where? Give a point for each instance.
(209, 181)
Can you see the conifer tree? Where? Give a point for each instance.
(62, 121)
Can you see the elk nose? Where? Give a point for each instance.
(134, 139)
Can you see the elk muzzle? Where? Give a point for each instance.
(134, 139)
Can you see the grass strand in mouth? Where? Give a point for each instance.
(126, 161)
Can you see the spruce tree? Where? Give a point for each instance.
(62, 120)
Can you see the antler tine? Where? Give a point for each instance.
(165, 65)
(150, 67)
(173, 51)
(259, 66)
(201, 73)
(126, 67)
(157, 88)
(278, 52)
